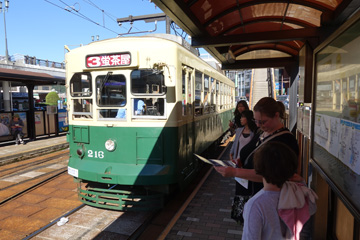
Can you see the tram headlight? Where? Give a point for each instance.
(80, 153)
(110, 145)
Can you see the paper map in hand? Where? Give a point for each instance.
(215, 162)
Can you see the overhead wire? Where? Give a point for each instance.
(79, 14)
(112, 17)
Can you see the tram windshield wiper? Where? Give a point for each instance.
(106, 78)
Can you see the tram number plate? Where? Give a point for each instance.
(73, 172)
(95, 154)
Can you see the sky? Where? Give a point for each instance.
(41, 28)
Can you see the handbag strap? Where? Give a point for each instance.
(265, 140)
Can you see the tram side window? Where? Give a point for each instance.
(217, 96)
(80, 85)
(198, 89)
(352, 91)
(112, 113)
(226, 96)
(212, 96)
(147, 81)
(148, 107)
(82, 108)
(221, 95)
(206, 94)
(183, 92)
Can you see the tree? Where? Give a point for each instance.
(52, 98)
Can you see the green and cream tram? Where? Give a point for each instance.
(139, 107)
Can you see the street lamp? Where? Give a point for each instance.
(5, 10)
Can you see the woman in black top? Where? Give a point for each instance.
(269, 116)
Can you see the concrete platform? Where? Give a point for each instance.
(10, 152)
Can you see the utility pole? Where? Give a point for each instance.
(5, 84)
(5, 9)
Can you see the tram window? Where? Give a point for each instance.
(190, 80)
(206, 82)
(82, 108)
(183, 91)
(352, 88)
(212, 96)
(149, 81)
(119, 114)
(148, 107)
(111, 90)
(206, 94)
(80, 85)
(221, 102)
(198, 88)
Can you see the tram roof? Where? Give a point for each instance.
(256, 33)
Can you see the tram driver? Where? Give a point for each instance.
(139, 106)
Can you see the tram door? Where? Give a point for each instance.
(188, 113)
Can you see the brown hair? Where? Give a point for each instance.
(270, 107)
(276, 162)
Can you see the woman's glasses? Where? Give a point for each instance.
(260, 122)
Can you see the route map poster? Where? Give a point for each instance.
(339, 137)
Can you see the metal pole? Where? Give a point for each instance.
(5, 84)
(4, 10)
(6, 46)
(168, 22)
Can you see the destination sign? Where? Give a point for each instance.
(108, 60)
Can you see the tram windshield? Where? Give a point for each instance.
(147, 81)
(111, 90)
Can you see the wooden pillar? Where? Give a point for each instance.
(31, 115)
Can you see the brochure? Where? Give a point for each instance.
(242, 182)
(224, 163)
(215, 162)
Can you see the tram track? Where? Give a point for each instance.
(44, 174)
(35, 182)
(30, 191)
(14, 169)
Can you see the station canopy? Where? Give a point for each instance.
(20, 77)
(257, 33)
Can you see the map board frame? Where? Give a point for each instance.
(335, 141)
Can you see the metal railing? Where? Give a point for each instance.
(44, 63)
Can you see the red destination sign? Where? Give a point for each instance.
(108, 60)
